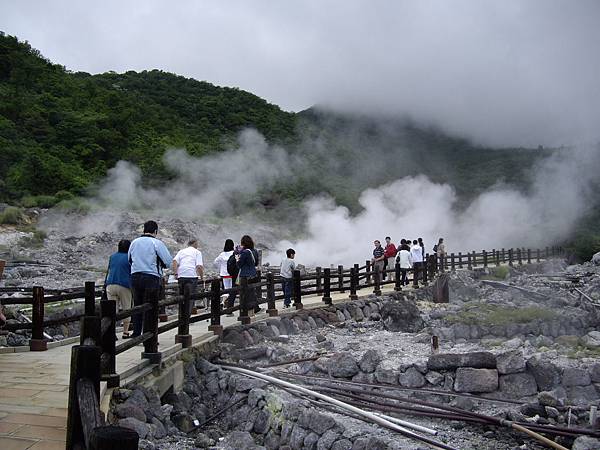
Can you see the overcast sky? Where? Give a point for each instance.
(502, 72)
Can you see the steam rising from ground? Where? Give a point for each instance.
(200, 186)
(409, 207)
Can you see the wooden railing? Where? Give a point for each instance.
(95, 358)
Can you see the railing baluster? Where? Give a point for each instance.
(108, 361)
(37, 343)
(297, 289)
(271, 307)
(341, 279)
(215, 308)
(151, 326)
(327, 286)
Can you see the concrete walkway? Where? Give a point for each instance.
(34, 386)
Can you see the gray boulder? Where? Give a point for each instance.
(343, 366)
(238, 439)
(547, 375)
(412, 378)
(141, 428)
(582, 395)
(591, 340)
(517, 385)
(451, 361)
(124, 410)
(575, 377)
(327, 439)
(476, 380)
(401, 315)
(342, 444)
(586, 442)
(510, 362)
(369, 361)
(595, 373)
(596, 259)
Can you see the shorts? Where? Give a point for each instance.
(121, 294)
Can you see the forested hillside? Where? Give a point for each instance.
(59, 130)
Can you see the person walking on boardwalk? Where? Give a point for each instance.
(118, 281)
(404, 258)
(378, 257)
(288, 265)
(247, 260)
(188, 266)
(148, 257)
(416, 253)
(390, 257)
(221, 265)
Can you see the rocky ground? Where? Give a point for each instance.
(65, 249)
(518, 374)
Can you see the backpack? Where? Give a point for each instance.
(232, 268)
(435, 247)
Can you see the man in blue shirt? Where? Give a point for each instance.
(148, 256)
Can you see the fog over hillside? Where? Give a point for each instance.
(407, 207)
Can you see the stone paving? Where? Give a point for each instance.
(34, 386)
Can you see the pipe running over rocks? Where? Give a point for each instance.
(365, 414)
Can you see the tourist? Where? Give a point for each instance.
(440, 251)
(416, 254)
(390, 257)
(247, 260)
(422, 245)
(188, 266)
(288, 265)
(221, 264)
(378, 257)
(148, 257)
(118, 281)
(404, 258)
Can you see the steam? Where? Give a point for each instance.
(409, 207)
(200, 186)
(417, 207)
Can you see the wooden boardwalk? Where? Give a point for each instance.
(34, 385)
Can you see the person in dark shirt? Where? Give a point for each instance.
(247, 260)
(378, 257)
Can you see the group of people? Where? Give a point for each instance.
(138, 266)
(409, 255)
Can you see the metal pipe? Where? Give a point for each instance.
(370, 416)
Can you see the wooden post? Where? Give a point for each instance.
(452, 263)
(425, 267)
(528, 256)
(37, 343)
(215, 308)
(259, 290)
(341, 279)
(377, 279)
(243, 317)
(162, 315)
(503, 258)
(297, 290)
(90, 298)
(85, 363)
(319, 275)
(327, 286)
(519, 257)
(485, 261)
(460, 257)
(271, 307)
(2, 266)
(368, 271)
(435, 344)
(537, 254)
(469, 264)
(357, 270)
(510, 257)
(416, 275)
(474, 259)
(353, 283)
(397, 280)
(497, 256)
(112, 437)
(108, 358)
(151, 326)
(183, 335)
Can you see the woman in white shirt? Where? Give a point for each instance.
(221, 265)
(405, 260)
